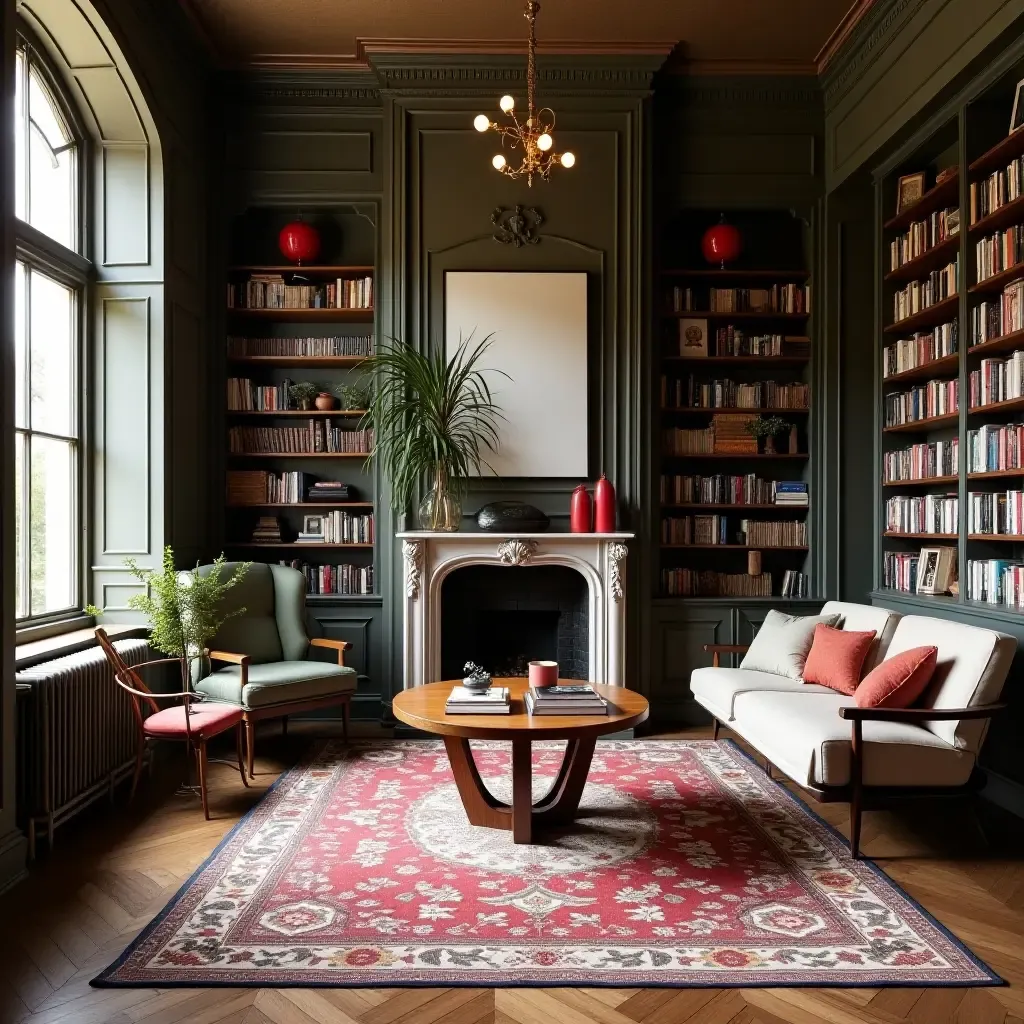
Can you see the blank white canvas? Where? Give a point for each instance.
(539, 323)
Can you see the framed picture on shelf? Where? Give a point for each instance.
(1017, 117)
(910, 190)
(693, 339)
(935, 570)
(313, 526)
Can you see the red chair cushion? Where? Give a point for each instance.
(206, 720)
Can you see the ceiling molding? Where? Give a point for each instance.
(844, 30)
(744, 67)
(515, 47)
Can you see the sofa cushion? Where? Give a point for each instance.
(863, 617)
(899, 680)
(970, 669)
(805, 737)
(717, 688)
(837, 657)
(781, 644)
(255, 631)
(279, 682)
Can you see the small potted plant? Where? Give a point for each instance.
(768, 428)
(353, 397)
(302, 394)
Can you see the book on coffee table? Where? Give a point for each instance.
(565, 700)
(494, 701)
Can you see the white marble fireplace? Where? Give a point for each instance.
(600, 558)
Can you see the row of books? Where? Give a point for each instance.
(707, 583)
(920, 295)
(715, 394)
(319, 436)
(999, 251)
(337, 527)
(996, 512)
(721, 489)
(909, 353)
(925, 513)
(995, 446)
(335, 579)
(360, 345)
(695, 530)
(998, 189)
(996, 317)
(269, 291)
(899, 571)
(258, 487)
(696, 341)
(935, 398)
(922, 461)
(794, 584)
(996, 380)
(777, 298)
(923, 235)
(244, 396)
(786, 533)
(996, 581)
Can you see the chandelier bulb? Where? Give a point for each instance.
(507, 104)
(545, 142)
(481, 122)
(498, 162)
(568, 159)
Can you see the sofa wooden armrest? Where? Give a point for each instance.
(919, 714)
(717, 650)
(341, 646)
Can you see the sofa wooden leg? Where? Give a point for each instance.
(718, 724)
(250, 745)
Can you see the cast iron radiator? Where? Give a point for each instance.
(77, 736)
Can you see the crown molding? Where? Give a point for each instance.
(723, 67)
(843, 31)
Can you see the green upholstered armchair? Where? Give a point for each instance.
(260, 660)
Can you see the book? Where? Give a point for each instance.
(559, 707)
(494, 701)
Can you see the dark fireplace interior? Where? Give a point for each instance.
(502, 618)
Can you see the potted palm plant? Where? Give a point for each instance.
(434, 419)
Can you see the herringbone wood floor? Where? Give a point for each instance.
(113, 871)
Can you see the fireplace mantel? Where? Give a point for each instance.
(429, 557)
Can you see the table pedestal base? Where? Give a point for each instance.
(557, 807)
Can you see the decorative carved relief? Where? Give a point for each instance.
(412, 552)
(517, 226)
(617, 556)
(516, 552)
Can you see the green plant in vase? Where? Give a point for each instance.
(434, 419)
(767, 428)
(303, 393)
(353, 397)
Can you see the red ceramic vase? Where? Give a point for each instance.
(579, 510)
(722, 243)
(299, 242)
(604, 506)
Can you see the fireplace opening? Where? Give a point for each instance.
(504, 617)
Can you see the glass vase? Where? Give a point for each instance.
(441, 511)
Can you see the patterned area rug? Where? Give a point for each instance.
(687, 866)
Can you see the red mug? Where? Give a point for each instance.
(543, 673)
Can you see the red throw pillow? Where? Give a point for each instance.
(836, 658)
(899, 680)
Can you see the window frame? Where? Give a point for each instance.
(44, 255)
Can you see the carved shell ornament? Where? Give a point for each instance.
(412, 552)
(617, 556)
(516, 552)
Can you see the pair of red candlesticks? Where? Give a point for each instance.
(593, 516)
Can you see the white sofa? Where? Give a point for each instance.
(822, 741)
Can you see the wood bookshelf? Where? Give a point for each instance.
(789, 367)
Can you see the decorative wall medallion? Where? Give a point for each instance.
(517, 226)
(412, 552)
(516, 552)
(616, 555)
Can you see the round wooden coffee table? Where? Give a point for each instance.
(423, 708)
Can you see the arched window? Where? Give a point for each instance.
(50, 276)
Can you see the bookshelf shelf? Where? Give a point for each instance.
(741, 360)
(721, 507)
(1009, 405)
(739, 455)
(931, 259)
(291, 544)
(920, 536)
(341, 270)
(934, 315)
(708, 409)
(307, 413)
(925, 482)
(298, 455)
(995, 284)
(738, 276)
(945, 194)
(326, 505)
(707, 314)
(323, 315)
(923, 426)
(1010, 213)
(998, 156)
(999, 538)
(1004, 343)
(947, 364)
(995, 474)
(735, 547)
(289, 361)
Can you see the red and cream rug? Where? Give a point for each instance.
(687, 866)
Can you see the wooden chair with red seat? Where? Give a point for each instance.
(194, 721)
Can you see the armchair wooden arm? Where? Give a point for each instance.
(242, 660)
(341, 646)
(716, 650)
(855, 714)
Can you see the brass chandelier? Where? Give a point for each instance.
(535, 135)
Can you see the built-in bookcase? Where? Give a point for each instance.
(735, 345)
(951, 370)
(286, 325)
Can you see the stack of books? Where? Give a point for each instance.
(330, 490)
(790, 492)
(565, 700)
(731, 434)
(267, 530)
(494, 701)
